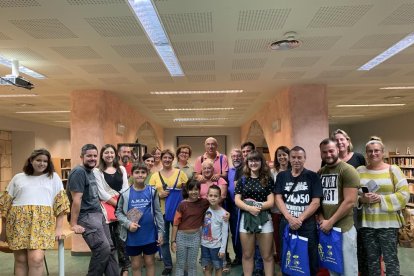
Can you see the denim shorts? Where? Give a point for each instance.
(210, 256)
(147, 249)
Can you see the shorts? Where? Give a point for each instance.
(147, 249)
(266, 228)
(210, 256)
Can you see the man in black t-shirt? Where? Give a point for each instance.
(86, 214)
(298, 194)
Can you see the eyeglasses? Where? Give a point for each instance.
(185, 152)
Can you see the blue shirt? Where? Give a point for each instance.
(146, 232)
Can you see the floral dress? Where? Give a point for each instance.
(30, 205)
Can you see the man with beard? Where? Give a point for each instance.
(124, 153)
(234, 175)
(340, 182)
(86, 216)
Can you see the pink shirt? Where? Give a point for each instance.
(221, 183)
(217, 169)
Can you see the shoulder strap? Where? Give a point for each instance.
(221, 164)
(164, 186)
(176, 180)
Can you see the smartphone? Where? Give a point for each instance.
(364, 190)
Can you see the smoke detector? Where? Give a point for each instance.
(290, 42)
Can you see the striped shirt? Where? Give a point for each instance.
(394, 196)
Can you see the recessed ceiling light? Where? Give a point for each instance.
(397, 88)
(17, 95)
(199, 109)
(369, 105)
(150, 21)
(197, 119)
(25, 70)
(25, 105)
(393, 50)
(290, 42)
(43, 112)
(195, 92)
(393, 97)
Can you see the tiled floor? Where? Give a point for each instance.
(77, 265)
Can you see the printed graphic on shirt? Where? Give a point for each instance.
(330, 189)
(299, 199)
(207, 231)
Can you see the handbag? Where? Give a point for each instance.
(173, 199)
(330, 250)
(295, 257)
(108, 210)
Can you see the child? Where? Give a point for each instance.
(185, 238)
(139, 214)
(33, 209)
(215, 232)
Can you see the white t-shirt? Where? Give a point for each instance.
(215, 229)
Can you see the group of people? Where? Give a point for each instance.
(164, 206)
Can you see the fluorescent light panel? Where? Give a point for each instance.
(22, 69)
(393, 50)
(62, 121)
(197, 119)
(151, 23)
(17, 95)
(195, 92)
(43, 112)
(347, 116)
(397, 88)
(199, 109)
(370, 105)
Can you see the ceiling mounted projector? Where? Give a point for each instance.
(15, 79)
(290, 42)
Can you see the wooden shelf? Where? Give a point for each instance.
(62, 168)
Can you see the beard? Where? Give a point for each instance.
(125, 159)
(334, 160)
(88, 166)
(237, 164)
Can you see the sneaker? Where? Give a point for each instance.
(166, 271)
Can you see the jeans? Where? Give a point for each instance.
(307, 230)
(98, 238)
(123, 258)
(233, 210)
(349, 251)
(165, 247)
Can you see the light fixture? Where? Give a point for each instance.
(17, 95)
(25, 105)
(397, 88)
(43, 112)
(197, 119)
(195, 92)
(290, 42)
(202, 125)
(61, 121)
(397, 97)
(150, 21)
(370, 105)
(393, 50)
(200, 109)
(25, 70)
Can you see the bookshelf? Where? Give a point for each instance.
(62, 168)
(406, 164)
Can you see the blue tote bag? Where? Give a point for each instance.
(172, 200)
(295, 258)
(330, 250)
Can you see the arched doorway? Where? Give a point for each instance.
(256, 136)
(146, 135)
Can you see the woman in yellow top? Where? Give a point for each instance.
(385, 192)
(168, 182)
(33, 208)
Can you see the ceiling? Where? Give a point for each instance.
(98, 44)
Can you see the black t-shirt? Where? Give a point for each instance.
(83, 181)
(114, 180)
(308, 186)
(251, 188)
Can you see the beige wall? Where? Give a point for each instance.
(94, 117)
(395, 132)
(303, 113)
(27, 136)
